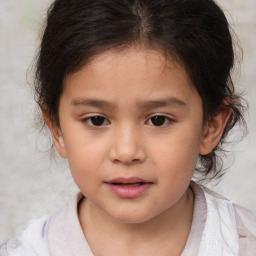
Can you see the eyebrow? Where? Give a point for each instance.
(166, 102)
(170, 101)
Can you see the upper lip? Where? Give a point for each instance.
(130, 180)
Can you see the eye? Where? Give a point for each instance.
(160, 121)
(95, 121)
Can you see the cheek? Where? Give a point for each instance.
(177, 153)
(85, 161)
(175, 160)
(84, 149)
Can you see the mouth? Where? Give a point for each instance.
(129, 187)
(129, 182)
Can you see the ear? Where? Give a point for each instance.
(213, 131)
(56, 135)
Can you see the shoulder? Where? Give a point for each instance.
(31, 242)
(246, 228)
(244, 220)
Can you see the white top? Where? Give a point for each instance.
(218, 228)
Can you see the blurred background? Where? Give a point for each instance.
(32, 183)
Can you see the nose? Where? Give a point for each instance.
(127, 147)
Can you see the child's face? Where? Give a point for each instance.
(126, 144)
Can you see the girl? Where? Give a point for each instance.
(138, 97)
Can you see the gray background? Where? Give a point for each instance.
(32, 184)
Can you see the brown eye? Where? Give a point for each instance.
(95, 120)
(160, 120)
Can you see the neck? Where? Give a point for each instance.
(173, 226)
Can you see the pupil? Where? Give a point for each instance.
(97, 120)
(158, 120)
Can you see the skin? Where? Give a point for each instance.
(129, 144)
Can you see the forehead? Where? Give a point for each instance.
(141, 73)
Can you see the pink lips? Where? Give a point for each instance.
(129, 187)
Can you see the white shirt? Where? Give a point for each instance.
(219, 228)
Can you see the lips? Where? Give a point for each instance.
(129, 187)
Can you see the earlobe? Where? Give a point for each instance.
(213, 131)
(56, 135)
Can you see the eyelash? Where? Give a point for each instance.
(170, 121)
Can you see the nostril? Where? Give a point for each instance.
(127, 162)
(127, 153)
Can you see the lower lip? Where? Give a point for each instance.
(129, 191)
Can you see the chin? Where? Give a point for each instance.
(129, 217)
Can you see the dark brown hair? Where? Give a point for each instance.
(196, 32)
